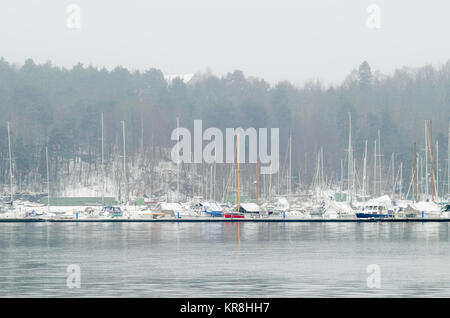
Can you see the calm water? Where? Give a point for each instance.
(224, 259)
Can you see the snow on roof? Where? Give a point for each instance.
(250, 207)
(282, 202)
(211, 206)
(171, 206)
(384, 200)
(339, 206)
(403, 203)
(426, 206)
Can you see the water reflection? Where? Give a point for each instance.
(224, 259)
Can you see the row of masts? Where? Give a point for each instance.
(431, 173)
(47, 163)
(11, 175)
(420, 185)
(421, 165)
(351, 167)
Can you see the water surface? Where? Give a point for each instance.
(224, 259)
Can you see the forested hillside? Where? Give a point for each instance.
(61, 108)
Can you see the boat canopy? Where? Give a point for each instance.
(282, 203)
(339, 207)
(427, 207)
(249, 208)
(175, 207)
(384, 201)
(211, 206)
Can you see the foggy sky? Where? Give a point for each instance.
(276, 40)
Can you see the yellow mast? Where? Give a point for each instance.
(238, 193)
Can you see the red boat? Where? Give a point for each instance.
(234, 215)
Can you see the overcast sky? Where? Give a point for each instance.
(273, 39)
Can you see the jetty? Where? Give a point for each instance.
(223, 220)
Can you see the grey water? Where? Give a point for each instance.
(224, 259)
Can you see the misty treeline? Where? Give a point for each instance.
(59, 108)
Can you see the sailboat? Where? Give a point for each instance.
(237, 213)
(209, 209)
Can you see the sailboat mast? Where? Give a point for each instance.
(416, 186)
(448, 163)
(238, 180)
(290, 165)
(401, 181)
(375, 169)
(48, 181)
(10, 165)
(210, 182)
(103, 164)
(393, 173)
(125, 160)
(350, 158)
(432, 161)
(426, 158)
(437, 169)
(365, 170)
(256, 183)
(321, 168)
(178, 153)
(421, 180)
(317, 174)
(214, 176)
(379, 161)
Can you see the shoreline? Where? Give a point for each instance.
(223, 220)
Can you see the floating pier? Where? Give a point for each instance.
(223, 220)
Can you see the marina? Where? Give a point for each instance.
(222, 219)
(249, 199)
(346, 199)
(246, 152)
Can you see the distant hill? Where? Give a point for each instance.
(60, 108)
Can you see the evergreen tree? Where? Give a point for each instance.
(365, 75)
